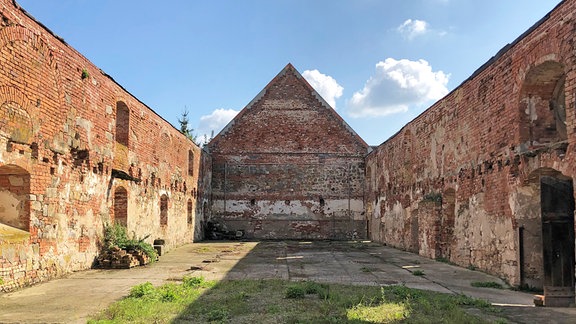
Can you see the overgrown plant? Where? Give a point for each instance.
(418, 273)
(116, 236)
(197, 300)
(85, 74)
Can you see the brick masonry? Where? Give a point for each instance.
(476, 179)
(289, 167)
(461, 182)
(77, 152)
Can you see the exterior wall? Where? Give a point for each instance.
(61, 162)
(469, 165)
(289, 167)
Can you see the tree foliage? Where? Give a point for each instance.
(184, 128)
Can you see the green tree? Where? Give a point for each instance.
(184, 128)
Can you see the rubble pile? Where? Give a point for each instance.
(117, 258)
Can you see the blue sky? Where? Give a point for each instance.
(380, 62)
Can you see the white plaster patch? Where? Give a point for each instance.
(9, 208)
(306, 208)
(531, 107)
(87, 125)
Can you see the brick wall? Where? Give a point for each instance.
(289, 167)
(481, 152)
(71, 139)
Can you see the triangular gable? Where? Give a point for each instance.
(289, 69)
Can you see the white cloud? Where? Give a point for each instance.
(325, 85)
(395, 86)
(412, 28)
(214, 122)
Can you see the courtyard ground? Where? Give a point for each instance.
(74, 298)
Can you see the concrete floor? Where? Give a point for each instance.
(74, 298)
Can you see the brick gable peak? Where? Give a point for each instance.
(288, 69)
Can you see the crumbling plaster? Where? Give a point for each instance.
(58, 131)
(484, 140)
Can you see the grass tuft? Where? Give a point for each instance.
(295, 291)
(418, 273)
(486, 284)
(197, 300)
(382, 313)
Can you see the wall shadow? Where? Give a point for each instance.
(270, 265)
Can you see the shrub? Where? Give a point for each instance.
(170, 293)
(115, 235)
(322, 290)
(193, 282)
(143, 290)
(295, 292)
(312, 287)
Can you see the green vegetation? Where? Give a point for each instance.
(85, 74)
(486, 284)
(277, 301)
(295, 291)
(116, 236)
(418, 273)
(184, 128)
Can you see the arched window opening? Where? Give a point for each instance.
(190, 163)
(543, 105)
(14, 197)
(121, 206)
(189, 211)
(122, 123)
(164, 210)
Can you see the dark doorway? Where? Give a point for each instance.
(557, 207)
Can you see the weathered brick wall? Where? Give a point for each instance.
(62, 162)
(289, 167)
(479, 154)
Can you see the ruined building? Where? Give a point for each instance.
(289, 167)
(483, 178)
(493, 185)
(76, 152)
